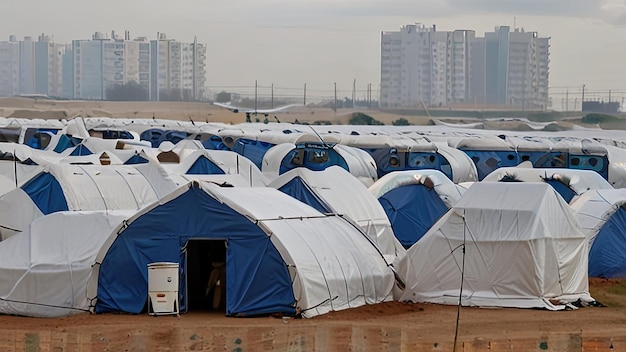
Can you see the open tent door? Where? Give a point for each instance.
(203, 276)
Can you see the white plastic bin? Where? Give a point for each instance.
(162, 288)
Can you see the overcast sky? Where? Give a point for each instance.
(321, 42)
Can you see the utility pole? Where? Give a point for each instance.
(567, 100)
(305, 94)
(255, 96)
(582, 101)
(272, 95)
(353, 92)
(609, 96)
(335, 97)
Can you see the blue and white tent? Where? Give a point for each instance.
(318, 156)
(414, 200)
(64, 187)
(282, 255)
(335, 190)
(602, 216)
(569, 183)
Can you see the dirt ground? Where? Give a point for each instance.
(392, 326)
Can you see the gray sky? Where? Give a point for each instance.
(319, 42)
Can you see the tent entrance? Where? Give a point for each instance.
(205, 262)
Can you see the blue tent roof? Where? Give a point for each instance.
(562, 189)
(258, 279)
(412, 210)
(204, 166)
(136, 159)
(46, 193)
(607, 257)
(299, 190)
(313, 156)
(80, 150)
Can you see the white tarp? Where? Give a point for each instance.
(523, 248)
(345, 195)
(336, 266)
(44, 270)
(579, 181)
(594, 208)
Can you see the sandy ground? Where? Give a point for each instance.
(203, 112)
(385, 327)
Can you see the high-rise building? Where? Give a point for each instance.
(177, 70)
(10, 67)
(31, 67)
(514, 67)
(421, 66)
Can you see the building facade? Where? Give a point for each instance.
(178, 70)
(93, 69)
(421, 66)
(31, 67)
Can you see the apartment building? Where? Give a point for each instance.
(178, 70)
(31, 67)
(10, 67)
(423, 66)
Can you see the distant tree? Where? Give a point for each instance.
(130, 91)
(401, 122)
(222, 97)
(359, 118)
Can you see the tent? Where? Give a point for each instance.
(602, 216)
(281, 255)
(334, 190)
(318, 156)
(414, 200)
(569, 183)
(80, 187)
(512, 244)
(45, 269)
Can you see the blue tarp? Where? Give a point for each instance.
(562, 189)
(46, 193)
(153, 135)
(313, 156)
(258, 281)
(65, 142)
(251, 149)
(136, 159)
(607, 257)
(299, 190)
(486, 160)
(412, 210)
(80, 150)
(204, 166)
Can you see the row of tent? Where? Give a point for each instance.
(368, 152)
(300, 241)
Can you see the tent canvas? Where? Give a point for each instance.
(335, 190)
(45, 269)
(282, 256)
(602, 216)
(523, 248)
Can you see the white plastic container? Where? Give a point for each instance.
(163, 288)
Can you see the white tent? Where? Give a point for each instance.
(523, 248)
(602, 216)
(45, 269)
(329, 264)
(345, 195)
(79, 187)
